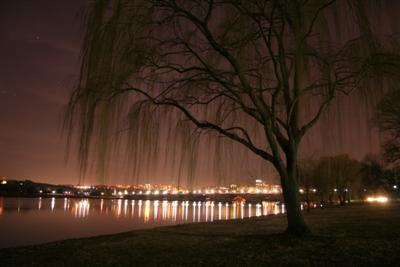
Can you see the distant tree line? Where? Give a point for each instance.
(338, 179)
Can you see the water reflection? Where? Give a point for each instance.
(149, 211)
(21, 219)
(81, 208)
(53, 203)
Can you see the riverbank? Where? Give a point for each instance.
(356, 235)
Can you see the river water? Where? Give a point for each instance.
(26, 221)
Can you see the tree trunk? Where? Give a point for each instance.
(295, 220)
(342, 198)
(308, 201)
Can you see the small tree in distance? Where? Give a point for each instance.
(259, 73)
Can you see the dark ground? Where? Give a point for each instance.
(356, 235)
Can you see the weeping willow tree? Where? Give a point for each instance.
(258, 73)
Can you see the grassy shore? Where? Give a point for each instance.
(356, 235)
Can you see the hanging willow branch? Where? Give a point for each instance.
(259, 73)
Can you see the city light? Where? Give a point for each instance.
(83, 187)
(379, 199)
(126, 191)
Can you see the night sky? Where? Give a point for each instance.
(39, 62)
(39, 53)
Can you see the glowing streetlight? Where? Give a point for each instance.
(379, 199)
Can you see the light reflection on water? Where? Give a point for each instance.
(168, 210)
(36, 220)
(160, 210)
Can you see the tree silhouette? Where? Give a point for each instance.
(388, 119)
(259, 73)
(341, 173)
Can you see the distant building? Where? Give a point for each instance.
(147, 186)
(233, 187)
(259, 184)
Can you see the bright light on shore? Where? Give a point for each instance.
(380, 199)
